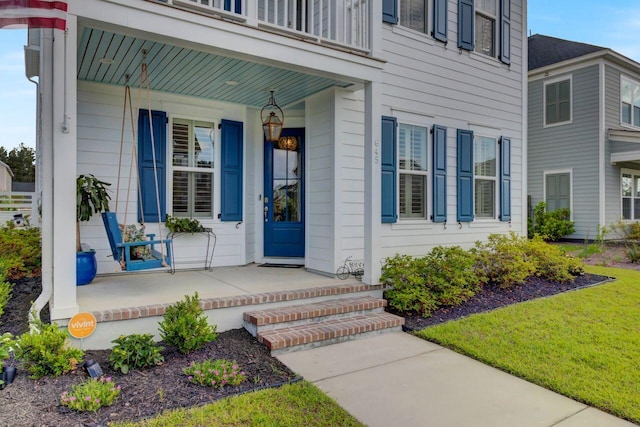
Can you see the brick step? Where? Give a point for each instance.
(327, 332)
(261, 320)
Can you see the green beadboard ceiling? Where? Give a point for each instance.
(190, 72)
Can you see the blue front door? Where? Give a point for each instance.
(284, 195)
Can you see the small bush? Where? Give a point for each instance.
(215, 373)
(135, 351)
(444, 277)
(626, 230)
(91, 395)
(21, 252)
(502, 260)
(185, 326)
(551, 263)
(5, 292)
(633, 252)
(550, 225)
(45, 351)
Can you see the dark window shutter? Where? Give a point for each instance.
(466, 21)
(147, 200)
(465, 175)
(505, 31)
(231, 171)
(505, 179)
(237, 5)
(440, 19)
(439, 174)
(388, 188)
(390, 11)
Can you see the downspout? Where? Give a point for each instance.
(46, 225)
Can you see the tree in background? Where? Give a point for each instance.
(22, 161)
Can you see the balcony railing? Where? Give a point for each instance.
(339, 22)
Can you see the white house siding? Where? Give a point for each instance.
(320, 182)
(99, 129)
(439, 84)
(349, 117)
(612, 121)
(569, 147)
(5, 177)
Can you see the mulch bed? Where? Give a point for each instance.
(145, 393)
(492, 297)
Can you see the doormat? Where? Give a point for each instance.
(282, 265)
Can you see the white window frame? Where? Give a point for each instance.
(213, 171)
(495, 179)
(558, 172)
(634, 173)
(428, 4)
(496, 29)
(624, 79)
(544, 100)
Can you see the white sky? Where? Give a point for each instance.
(611, 23)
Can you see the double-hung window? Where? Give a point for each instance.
(485, 170)
(485, 26)
(192, 155)
(630, 99)
(413, 14)
(630, 196)
(413, 171)
(557, 188)
(557, 102)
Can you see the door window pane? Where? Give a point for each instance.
(286, 185)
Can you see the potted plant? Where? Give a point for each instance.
(91, 198)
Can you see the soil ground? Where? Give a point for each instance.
(148, 392)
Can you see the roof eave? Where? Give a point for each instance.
(610, 54)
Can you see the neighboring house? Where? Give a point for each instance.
(408, 117)
(584, 132)
(6, 176)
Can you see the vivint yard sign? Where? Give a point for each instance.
(82, 325)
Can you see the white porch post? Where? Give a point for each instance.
(63, 133)
(372, 182)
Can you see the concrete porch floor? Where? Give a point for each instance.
(147, 288)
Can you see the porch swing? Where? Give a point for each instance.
(128, 244)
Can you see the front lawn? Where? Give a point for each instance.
(300, 404)
(583, 344)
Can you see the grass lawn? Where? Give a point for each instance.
(300, 404)
(583, 344)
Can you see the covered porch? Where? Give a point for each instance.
(125, 304)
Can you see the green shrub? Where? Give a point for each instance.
(185, 326)
(550, 225)
(550, 262)
(627, 230)
(5, 292)
(21, 252)
(502, 260)
(633, 252)
(91, 395)
(45, 351)
(215, 373)
(444, 277)
(135, 351)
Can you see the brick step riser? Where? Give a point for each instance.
(335, 340)
(255, 330)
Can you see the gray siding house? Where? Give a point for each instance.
(584, 132)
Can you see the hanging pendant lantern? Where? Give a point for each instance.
(272, 120)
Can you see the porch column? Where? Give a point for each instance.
(372, 182)
(63, 133)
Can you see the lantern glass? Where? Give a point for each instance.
(272, 127)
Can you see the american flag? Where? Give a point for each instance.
(33, 14)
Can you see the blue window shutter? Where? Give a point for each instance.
(439, 174)
(465, 175)
(237, 5)
(148, 201)
(466, 23)
(390, 11)
(505, 31)
(388, 157)
(505, 179)
(231, 171)
(440, 19)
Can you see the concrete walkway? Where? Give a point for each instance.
(397, 379)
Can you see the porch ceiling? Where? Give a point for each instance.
(190, 72)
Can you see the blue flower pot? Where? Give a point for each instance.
(86, 267)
